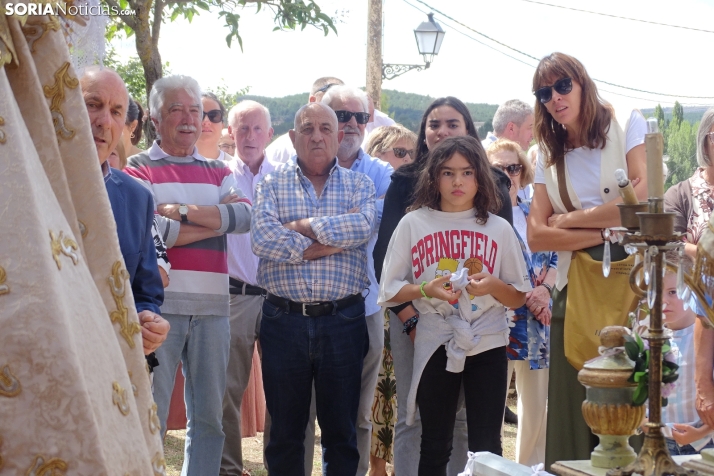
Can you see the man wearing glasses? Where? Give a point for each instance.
(201, 202)
(351, 106)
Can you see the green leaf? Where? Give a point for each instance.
(640, 395)
(631, 349)
(638, 376)
(640, 343)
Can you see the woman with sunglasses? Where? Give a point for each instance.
(392, 144)
(529, 340)
(212, 127)
(445, 117)
(580, 139)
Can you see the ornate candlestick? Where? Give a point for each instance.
(655, 237)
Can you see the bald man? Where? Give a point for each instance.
(106, 98)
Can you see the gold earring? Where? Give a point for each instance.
(132, 135)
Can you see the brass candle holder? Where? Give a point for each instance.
(655, 236)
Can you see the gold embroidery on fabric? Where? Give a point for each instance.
(55, 94)
(53, 467)
(63, 245)
(4, 288)
(3, 137)
(117, 285)
(159, 465)
(36, 31)
(7, 47)
(9, 384)
(154, 423)
(119, 398)
(82, 228)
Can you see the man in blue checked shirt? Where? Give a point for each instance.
(313, 220)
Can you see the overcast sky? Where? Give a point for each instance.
(638, 55)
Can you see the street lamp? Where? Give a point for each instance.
(429, 36)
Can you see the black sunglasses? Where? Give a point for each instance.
(562, 87)
(400, 152)
(514, 170)
(360, 117)
(326, 87)
(215, 116)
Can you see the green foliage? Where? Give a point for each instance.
(131, 72)
(637, 352)
(227, 98)
(677, 113)
(681, 141)
(407, 108)
(384, 103)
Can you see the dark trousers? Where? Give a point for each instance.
(484, 382)
(298, 350)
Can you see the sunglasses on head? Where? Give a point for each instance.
(326, 87)
(215, 116)
(514, 170)
(345, 116)
(400, 152)
(562, 87)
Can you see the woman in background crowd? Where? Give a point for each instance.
(395, 145)
(214, 116)
(529, 341)
(131, 135)
(693, 199)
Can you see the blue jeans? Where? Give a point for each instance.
(676, 450)
(297, 350)
(202, 345)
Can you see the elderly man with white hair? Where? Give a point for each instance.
(249, 127)
(202, 203)
(351, 106)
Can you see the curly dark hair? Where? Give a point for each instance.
(135, 113)
(427, 192)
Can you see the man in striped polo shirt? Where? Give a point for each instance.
(201, 203)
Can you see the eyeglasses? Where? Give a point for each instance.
(227, 146)
(215, 116)
(562, 87)
(360, 117)
(326, 87)
(401, 152)
(514, 170)
(710, 135)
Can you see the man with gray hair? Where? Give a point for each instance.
(249, 128)
(514, 121)
(351, 106)
(312, 220)
(202, 203)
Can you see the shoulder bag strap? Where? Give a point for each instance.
(563, 187)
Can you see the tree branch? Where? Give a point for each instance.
(128, 19)
(156, 28)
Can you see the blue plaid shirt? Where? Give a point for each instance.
(287, 195)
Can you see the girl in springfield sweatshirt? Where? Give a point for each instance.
(462, 330)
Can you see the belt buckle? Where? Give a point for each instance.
(304, 308)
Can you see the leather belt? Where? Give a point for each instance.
(315, 309)
(244, 289)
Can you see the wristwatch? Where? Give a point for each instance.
(183, 211)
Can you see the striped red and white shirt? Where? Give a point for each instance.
(199, 270)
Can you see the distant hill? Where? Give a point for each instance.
(692, 114)
(405, 108)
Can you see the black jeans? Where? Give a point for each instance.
(484, 381)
